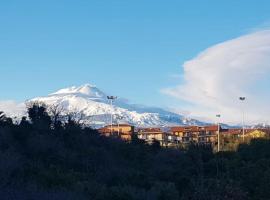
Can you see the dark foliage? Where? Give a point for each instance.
(46, 159)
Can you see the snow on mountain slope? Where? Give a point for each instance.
(96, 109)
(87, 90)
(13, 109)
(93, 103)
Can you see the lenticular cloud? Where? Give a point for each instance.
(214, 80)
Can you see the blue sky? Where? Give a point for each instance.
(129, 48)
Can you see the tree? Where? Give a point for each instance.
(56, 113)
(38, 115)
(74, 120)
(4, 120)
(156, 145)
(135, 140)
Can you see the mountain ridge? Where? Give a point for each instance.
(89, 100)
(93, 103)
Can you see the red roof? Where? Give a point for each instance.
(120, 125)
(211, 128)
(149, 130)
(184, 128)
(194, 128)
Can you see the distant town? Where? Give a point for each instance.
(219, 138)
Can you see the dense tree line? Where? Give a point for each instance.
(50, 156)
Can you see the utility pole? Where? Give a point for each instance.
(111, 99)
(242, 99)
(218, 123)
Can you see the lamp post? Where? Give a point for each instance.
(111, 99)
(119, 117)
(242, 99)
(218, 123)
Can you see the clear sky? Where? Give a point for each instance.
(132, 49)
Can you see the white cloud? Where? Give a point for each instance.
(214, 80)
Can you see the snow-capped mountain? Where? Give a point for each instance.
(93, 103)
(96, 108)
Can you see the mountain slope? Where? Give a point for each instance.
(93, 103)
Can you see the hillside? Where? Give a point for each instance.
(47, 160)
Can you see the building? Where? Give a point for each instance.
(182, 136)
(256, 133)
(250, 133)
(105, 131)
(232, 138)
(123, 131)
(196, 134)
(152, 134)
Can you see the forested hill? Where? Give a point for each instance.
(44, 158)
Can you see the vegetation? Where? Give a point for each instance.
(53, 157)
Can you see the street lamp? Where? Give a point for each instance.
(242, 99)
(111, 99)
(119, 117)
(218, 117)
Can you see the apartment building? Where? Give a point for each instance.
(196, 134)
(123, 131)
(152, 134)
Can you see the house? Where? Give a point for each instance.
(182, 136)
(209, 134)
(123, 131)
(196, 134)
(231, 138)
(152, 134)
(256, 133)
(250, 133)
(105, 131)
